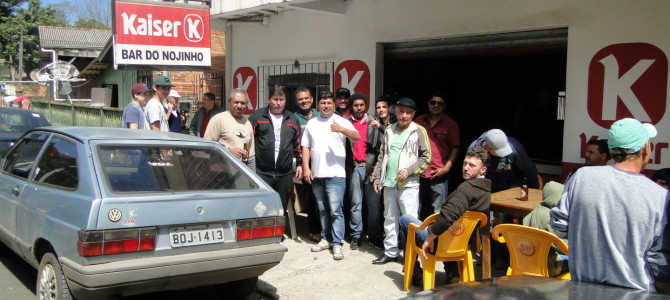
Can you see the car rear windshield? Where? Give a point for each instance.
(20, 121)
(145, 168)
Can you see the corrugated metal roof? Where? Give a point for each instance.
(73, 38)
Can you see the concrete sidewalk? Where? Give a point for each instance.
(307, 275)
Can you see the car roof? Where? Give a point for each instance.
(19, 111)
(103, 133)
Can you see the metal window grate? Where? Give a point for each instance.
(315, 76)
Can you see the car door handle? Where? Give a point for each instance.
(16, 191)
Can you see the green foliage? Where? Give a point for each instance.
(7, 8)
(25, 20)
(90, 24)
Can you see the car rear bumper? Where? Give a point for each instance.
(176, 272)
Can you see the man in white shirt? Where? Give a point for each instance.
(324, 144)
(154, 111)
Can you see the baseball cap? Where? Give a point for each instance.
(343, 91)
(497, 140)
(630, 134)
(163, 80)
(139, 88)
(173, 93)
(406, 102)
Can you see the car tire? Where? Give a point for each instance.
(51, 283)
(239, 289)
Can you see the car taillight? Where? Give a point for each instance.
(248, 229)
(103, 242)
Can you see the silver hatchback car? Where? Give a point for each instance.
(104, 212)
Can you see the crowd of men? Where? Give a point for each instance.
(384, 171)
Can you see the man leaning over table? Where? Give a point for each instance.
(510, 163)
(615, 218)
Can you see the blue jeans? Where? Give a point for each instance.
(362, 193)
(329, 194)
(433, 194)
(404, 222)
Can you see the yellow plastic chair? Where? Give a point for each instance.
(528, 249)
(452, 245)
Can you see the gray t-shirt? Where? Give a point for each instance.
(614, 221)
(154, 112)
(134, 114)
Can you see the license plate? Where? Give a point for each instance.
(184, 236)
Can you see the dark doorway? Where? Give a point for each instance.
(511, 88)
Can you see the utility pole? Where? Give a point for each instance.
(21, 55)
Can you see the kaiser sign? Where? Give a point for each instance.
(160, 35)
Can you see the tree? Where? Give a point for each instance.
(24, 22)
(7, 8)
(98, 10)
(90, 24)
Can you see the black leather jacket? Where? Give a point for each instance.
(264, 139)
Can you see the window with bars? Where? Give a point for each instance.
(315, 76)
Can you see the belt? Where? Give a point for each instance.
(359, 163)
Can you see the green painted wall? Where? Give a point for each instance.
(124, 79)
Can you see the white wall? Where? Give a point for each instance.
(310, 36)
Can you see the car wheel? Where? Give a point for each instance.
(239, 289)
(51, 284)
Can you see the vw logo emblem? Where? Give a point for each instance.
(114, 215)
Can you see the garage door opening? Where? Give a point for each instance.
(509, 81)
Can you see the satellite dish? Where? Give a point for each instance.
(59, 71)
(33, 75)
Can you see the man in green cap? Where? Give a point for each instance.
(154, 111)
(615, 218)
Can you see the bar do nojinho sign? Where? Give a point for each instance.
(161, 35)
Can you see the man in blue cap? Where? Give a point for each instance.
(615, 218)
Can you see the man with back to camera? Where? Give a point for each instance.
(473, 194)
(232, 130)
(615, 219)
(204, 114)
(277, 140)
(304, 113)
(404, 154)
(444, 138)
(154, 110)
(133, 116)
(324, 146)
(362, 194)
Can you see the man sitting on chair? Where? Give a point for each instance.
(474, 194)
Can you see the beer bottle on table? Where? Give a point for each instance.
(524, 190)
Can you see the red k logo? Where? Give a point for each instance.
(245, 78)
(627, 80)
(354, 75)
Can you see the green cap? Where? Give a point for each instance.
(630, 134)
(163, 80)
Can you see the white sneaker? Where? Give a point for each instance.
(322, 245)
(337, 253)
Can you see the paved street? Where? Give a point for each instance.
(301, 275)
